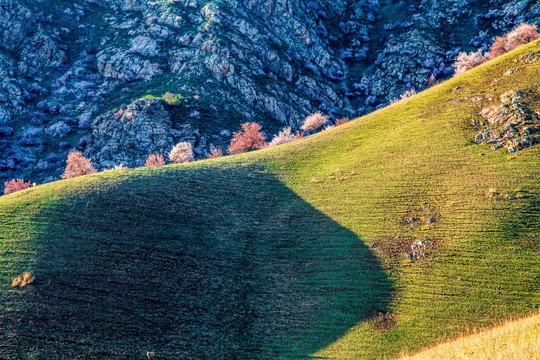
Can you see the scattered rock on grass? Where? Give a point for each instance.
(530, 57)
(511, 71)
(493, 194)
(419, 250)
(512, 125)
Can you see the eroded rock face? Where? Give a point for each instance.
(126, 66)
(16, 22)
(255, 66)
(270, 61)
(40, 53)
(129, 136)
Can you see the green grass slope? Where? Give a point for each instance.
(291, 252)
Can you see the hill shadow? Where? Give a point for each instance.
(203, 263)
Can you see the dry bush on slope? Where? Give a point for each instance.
(407, 94)
(314, 121)
(181, 153)
(77, 165)
(284, 136)
(342, 121)
(468, 61)
(249, 138)
(15, 185)
(154, 160)
(521, 35)
(215, 152)
(23, 280)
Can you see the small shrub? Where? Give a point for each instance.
(215, 152)
(119, 114)
(314, 121)
(407, 94)
(383, 321)
(154, 160)
(77, 165)
(168, 96)
(521, 35)
(117, 167)
(249, 138)
(342, 121)
(27, 278)
(172, 99)
(431, 80)
(468, 61)
(493, 194)
(15, 185)
(22, 280)
(284, 136)
(181, 153)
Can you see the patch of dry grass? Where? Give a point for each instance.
(22, 280)
(517, 340)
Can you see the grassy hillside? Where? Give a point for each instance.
(295, 251)
(517, 340)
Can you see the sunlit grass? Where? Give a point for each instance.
(515, 340)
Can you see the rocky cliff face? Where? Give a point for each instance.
(72, 73)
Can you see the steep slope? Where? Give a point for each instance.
(375, 238)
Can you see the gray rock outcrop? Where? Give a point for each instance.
(512, 125)
(129, 136)
(78, 62)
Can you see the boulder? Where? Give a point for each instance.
(58, 130)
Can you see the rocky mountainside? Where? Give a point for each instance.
(120, 79)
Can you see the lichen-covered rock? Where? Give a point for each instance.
(11, 94)
(513, 111)
(40, 53)
(125, 65)
(129, 136)
(501, 115)
(511, 125)
(530, 57)
(145, 46)
(58, 130)
(16, 21)
(482, 137)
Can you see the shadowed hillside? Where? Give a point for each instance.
(201, 263)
